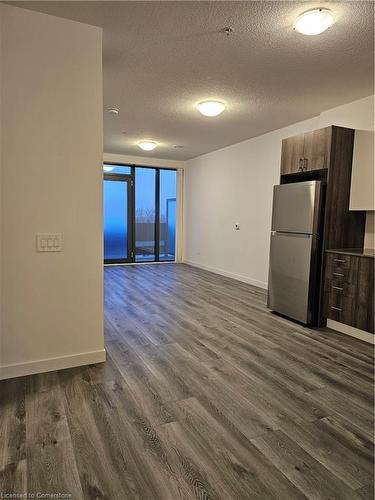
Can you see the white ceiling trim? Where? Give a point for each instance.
(143, 160)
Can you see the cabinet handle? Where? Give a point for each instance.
(338, 288)
(305, 163)
(339, 260)
(300, 163)
(336, 308)
(338, 274)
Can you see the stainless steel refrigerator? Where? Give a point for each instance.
(294, 272)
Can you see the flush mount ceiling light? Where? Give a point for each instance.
(113, 110)
(210, 108)
(314, 21)
(147, 145)
(108, 168)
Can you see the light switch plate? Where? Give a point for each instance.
(49, 242)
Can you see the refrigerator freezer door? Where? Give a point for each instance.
(289, 275)
(295, 207)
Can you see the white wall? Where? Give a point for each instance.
(51, 167)
(357, 114)
(233, 185)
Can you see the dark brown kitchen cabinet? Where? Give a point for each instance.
(316, 150)
(292, 154)
(326, 155)
(306, 152)
(349, 290)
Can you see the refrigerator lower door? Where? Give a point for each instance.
(289, 274)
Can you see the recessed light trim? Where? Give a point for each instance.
(147, 145)
(314, 21)
(210, 108)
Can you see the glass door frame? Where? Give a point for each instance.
(129, 179)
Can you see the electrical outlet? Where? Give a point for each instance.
(49, 242)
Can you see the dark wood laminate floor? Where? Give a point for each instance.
(205, 395)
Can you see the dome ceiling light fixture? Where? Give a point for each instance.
(147, 145)
(113, 110)
(210, 108)
(314, 21)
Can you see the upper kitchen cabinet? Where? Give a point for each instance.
(362, 189)
(316, 149)
(306, 152)
(292, 154)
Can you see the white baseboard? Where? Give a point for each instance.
(350, 330)
(51, 364)
(238, 277)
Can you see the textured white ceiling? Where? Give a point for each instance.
(160, 58)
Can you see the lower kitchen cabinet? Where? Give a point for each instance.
(349, 288)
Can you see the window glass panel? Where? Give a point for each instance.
(145, 214)
(115, 220)
(167, 231)
(116, 169)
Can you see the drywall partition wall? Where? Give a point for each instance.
(51, 130)
(234, 185)
(229, 186)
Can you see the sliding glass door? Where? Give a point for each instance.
(117, 219)
(145, 214)
(139, 214)
(167, 215)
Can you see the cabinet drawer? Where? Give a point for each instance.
(340, 275)
(339, 261)
(340, 308)
(341, 268)
(340, 287)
